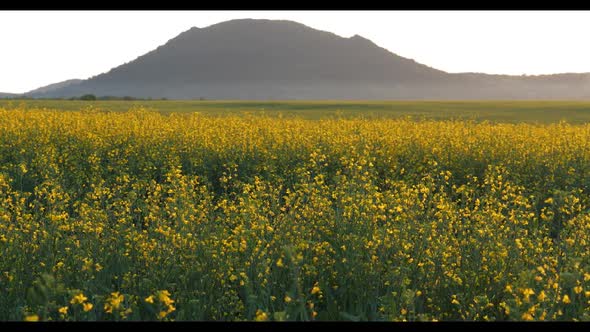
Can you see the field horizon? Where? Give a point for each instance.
(508, 111)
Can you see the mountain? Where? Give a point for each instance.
(270, 59)
(8, 95)
(48, 89)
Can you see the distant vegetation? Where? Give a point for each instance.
(93, 97)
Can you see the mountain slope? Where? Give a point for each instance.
(266, 59)
(46, 90)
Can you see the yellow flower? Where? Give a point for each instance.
(116, 299)
(404, 311)
(170, 309)
(578, 289)
(114, 302)
(280, 263)
(87, 264)
(315, 290)
(164, 297)
(149, 299)
(233, 278)
(542, 317)
(541, 296)
(32, 318)
(162, 314)
(454, 301)
(566, 299)
(87, 306)
(527, 292)
(287, 299)
(260, 316)
(63, 310)
(79, 299)
(526, 316)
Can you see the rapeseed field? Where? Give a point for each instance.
(140, 215)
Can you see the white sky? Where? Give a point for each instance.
(44, 47)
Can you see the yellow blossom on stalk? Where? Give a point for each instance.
(566, 299)
(114, 302)
(87, 264)
(316, 289)
(32, 318)
(63, 310)
(108, 308)
(542, 317)
(164, 297)
(261, 316)
(527, 293)
(79, 299)
(149, 299)
(87, 306)
(116, 299)
(287, 298)
(578, 289)
(280, 263)
(541, 296)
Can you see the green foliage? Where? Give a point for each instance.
(88, 97)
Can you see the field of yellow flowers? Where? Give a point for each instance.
(143, 216)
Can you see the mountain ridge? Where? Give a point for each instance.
(281, 59)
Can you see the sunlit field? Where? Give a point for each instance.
(202, 211)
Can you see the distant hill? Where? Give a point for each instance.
(268, 59)
(48, 89)
(8, 95)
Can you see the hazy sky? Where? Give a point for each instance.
(44, 47)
